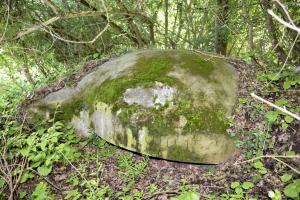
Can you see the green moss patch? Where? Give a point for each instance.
(147, 71)
(160, 123)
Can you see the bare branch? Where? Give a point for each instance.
(37, 27)
(55, 35)
(273, 157)
(285, 62)
(53, 7)
(285, 11)
(289, 25)
(6, 23)
(275, 106)
(54, 19)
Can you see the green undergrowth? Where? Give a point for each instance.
(53, 145)
(265, 140)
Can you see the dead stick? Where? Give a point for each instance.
(161, 193)
(275, 106)
(273, 157)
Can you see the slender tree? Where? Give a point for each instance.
(265, 5)
(221, 29)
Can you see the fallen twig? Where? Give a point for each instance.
(46, 179)
(291, 26)
(277, 107)
(275, 158)
(161, 193)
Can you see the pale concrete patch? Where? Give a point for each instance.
(149, 97)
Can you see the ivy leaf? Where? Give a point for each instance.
(291, 191)
(285, 177)
(288, 119)
(243, 100)
(238, 190)
(258, 165)
(41, 192)
(2, 183)
(263, 171)
(234, 184)
(271, 116)
(73, 194)
(287, 84)
(274, 195)
(290, 153)
(285, 126)
(247, 185)
(281, 102)
(22, 194)
(187, 196)
(44, 170)
(31, 140)
(25, 176)
(25, 152)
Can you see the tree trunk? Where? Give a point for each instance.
(250, 31)
(265, 4)
(113, 24)
(180, 21)
(166, 22)
(221, 29)
(26, 71)
(291, 34)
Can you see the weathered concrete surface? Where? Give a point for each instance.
(164, 103)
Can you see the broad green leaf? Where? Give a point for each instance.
(73, 194)
(274, 195)
(258, 165)
(238, 190)
(25, 176)
(38, 157)
(187, 196)
(285, 177)
(22, 194)
(291, 191)
(243, 100)
(288, 119)
(273, 76)
(41, 192)
(281, 102)
(271, 116)
(290, 153)
(31, 140)
(297, 183)
(2, 183)
(263, 170)
(234, 184)
(287, 84)
(247, 185)
(44, 170)
(25, 152)
(284, 125)
(43, 144)
(36, 164)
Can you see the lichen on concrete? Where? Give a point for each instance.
(164, 103)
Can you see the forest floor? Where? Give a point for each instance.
(103, 171)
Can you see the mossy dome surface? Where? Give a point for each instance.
(170, 104)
